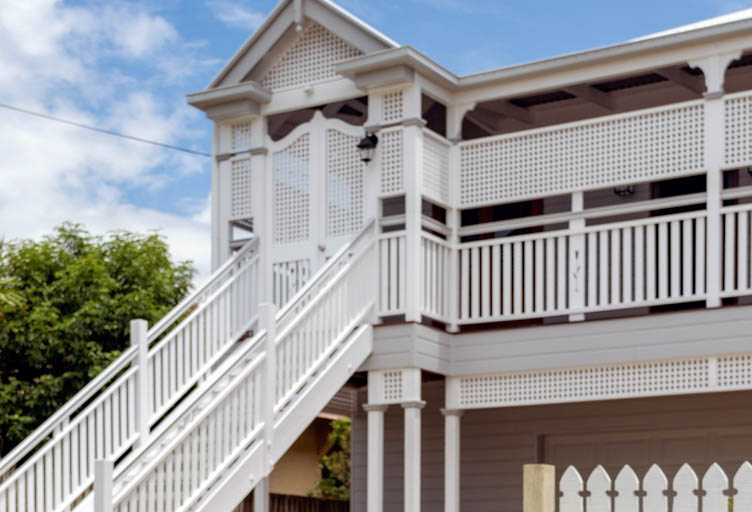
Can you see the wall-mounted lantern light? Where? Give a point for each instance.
(749, 170)
(624, 191)
(367, 147)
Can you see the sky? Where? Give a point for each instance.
(127, 66)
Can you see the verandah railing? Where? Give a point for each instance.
(644, 262)
(54, 466)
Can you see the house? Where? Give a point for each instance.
(547, 262)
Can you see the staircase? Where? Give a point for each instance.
(220, 413)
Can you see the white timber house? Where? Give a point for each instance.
(544, 263)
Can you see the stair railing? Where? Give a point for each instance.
(56, 462)
(224, 419)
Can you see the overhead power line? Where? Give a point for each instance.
(102, 130)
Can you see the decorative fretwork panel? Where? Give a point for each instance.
(240, 205)
(289, 277)
(309, 60)
(393, 386)
(585, 155)
(435, 168)
(586, 383)
(738, 149)
(240, 136)
(292, 192)
(392, 107)
(392, 162)
(735, 371)
(344, 184)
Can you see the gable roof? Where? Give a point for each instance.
(288, 13)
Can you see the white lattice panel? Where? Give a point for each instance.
(738, 149)
(240, 205)
(289, 277)
(392, 106)
(586, 155)
(240, 136)
(735, 371)
(393, 386)
(435, 168)
(344, 184)
(292, 192)
(392, 162)
(586, 383)
(309, 60)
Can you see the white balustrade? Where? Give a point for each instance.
(436, 292)
(100, 422)
(392, 279)
(689, 493)
(737, 275)
(658, 260)
(225, 423)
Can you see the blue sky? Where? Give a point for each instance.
(127, 65)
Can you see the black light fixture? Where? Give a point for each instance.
(749, 171)
(367, 146)
(624, 190)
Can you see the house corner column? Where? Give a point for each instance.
(375, 471)
(452, 459)
(412, 454)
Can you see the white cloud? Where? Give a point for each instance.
(58, 59)
(236, 13)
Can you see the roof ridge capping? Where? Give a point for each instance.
(407, 55)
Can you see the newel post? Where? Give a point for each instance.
(267, 322)
(103, 485)
(714, 69)
(139, 339)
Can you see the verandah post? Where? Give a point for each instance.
(714, 70)
(139, 339)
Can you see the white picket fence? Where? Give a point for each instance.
(713, 492)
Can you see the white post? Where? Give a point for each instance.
(139, 338)
(267, 322)
(452, 459)
(413, 177)
(714, 69)
(375, 472)
(412, 455)
(261, 500)
(103, 485)
(577, 259)
(262, 190)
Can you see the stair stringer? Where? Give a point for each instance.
(243, 477)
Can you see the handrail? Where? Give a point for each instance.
(75, 403)
(167, 320)
(62, 416)
(227, 367)
(323, 272)
(592, 213)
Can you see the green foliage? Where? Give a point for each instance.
(65, 306)
(335, 465)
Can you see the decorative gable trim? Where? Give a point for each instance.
(282, 21)
(309, 60)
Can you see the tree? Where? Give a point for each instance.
(65, 306)
(335, 465)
